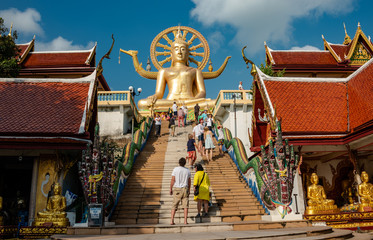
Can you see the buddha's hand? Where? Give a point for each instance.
(152, 99)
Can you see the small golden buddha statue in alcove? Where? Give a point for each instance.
(55, 211)
(365, 191)
(317, 202)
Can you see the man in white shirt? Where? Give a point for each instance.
(180, 189)
(240, 87)
(197, 132)
(174, 109)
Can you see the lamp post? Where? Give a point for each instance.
(134, 93)
(235, 118)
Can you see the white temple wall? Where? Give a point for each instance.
(114, 121)
(243, 123)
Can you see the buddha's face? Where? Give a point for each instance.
(57, 189)
(179, 52)
(314, 179)
(364, 177)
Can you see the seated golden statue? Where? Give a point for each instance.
(185, 84)
(317, 202)
(54, 212)
(365, 191)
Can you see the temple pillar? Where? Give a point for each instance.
(34, 180)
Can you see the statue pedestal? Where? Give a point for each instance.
(204, 104)
(56, 222)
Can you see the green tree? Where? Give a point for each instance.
(268, 70)
(9, 52)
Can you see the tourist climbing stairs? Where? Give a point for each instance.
(145, 205)
(146, 198)
(234, 197)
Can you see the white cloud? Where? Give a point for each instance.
(305, 48)
(61, 44)
(257, 21)
(215, 40)
(27, 22)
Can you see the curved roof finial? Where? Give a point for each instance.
(347, 38)
(10, 31)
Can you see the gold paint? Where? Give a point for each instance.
(318, 203)
(347, 38)
(186, 84)
(359, 33)
(46, 167)
(366, 193)
(360, 55)
(55, 210)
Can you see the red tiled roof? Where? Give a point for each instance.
(340, 50)
(23, 48)
(42, 107)
(56, 59)
(321, 59)
(360, 93)
(317, 107)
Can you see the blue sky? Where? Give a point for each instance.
(228, 25)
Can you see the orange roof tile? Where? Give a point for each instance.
(317, 107)
(322, 106)
(360, 94)
(340, 50)
(42, 107)
(317, 58)
(56, 59)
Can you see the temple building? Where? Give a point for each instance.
(58, 64)
(48, 116)
(328, 120)
(335, 61)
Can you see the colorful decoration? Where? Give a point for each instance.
(96, 171)
(274, 170)
(102, 176)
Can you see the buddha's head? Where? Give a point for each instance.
(364, 176)
(179, 50)
(314, 178)
(57, 189)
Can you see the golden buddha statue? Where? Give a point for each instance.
(365, 191)
(186, 84)
(317, 202)
(54, 212)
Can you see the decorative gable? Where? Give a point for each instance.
(360, 55)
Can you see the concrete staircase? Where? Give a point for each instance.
(144, 210)
(146, 198)
(140, 201)
(234, 198)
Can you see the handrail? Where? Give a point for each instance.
(118, 98)
(226, 97)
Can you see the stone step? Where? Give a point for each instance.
(205, 230)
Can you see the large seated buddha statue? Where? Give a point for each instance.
(185, 84)
(317, 202)
(365, 191)
(55, 210)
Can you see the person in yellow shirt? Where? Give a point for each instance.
(202, 180)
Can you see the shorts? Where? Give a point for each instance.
(220, 142)
(192, 155)
(200, 137)
(180, 195)
(173, 128)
